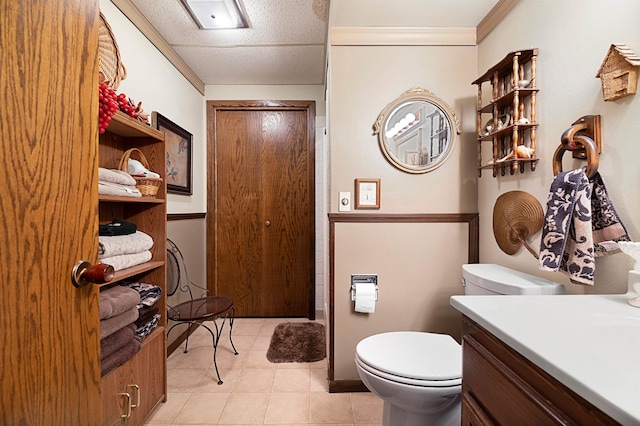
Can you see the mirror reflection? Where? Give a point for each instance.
(417, 131)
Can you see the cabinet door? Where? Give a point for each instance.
(472, 413)
(114, 404)
(142, 377)
(48, 198)
(149, 374)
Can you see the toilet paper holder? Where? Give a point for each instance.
(363, 279)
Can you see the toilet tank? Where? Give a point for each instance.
(487, 278)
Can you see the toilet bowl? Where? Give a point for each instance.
(418, 375)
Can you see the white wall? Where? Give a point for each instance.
(154, 81)
(418, 265)
(364, 80)
(573, 37)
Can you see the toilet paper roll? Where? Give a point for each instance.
(366, 298)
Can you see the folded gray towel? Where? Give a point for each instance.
(117, 300)
(119, 357)
(111, 325)
(110, 344)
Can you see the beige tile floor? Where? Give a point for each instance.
(255, 391)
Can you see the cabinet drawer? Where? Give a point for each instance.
(508, 389)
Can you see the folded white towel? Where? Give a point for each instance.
(125, 261)
(109, 188)
(123, 244)
(115, 176)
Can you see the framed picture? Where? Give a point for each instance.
(367, 193)
(411, 158)
(178, 144)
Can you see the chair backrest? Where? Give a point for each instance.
(177, 275)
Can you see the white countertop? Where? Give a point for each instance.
(590, 343)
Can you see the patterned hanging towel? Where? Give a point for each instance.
(607, 226)
(567, 237)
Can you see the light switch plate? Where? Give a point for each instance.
(344, 202)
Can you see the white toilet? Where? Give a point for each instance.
(419, 375)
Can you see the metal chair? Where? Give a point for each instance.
(196, 311)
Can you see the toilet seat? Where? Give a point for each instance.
(416, 358)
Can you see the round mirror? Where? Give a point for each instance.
(417, 131)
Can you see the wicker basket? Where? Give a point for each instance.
(148, 186)
(109, 62)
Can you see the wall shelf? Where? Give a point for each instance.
(513, 98)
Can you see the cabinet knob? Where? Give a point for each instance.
(84, 273)
(267, 223)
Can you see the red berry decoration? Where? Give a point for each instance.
(110, 102)
(107, 106)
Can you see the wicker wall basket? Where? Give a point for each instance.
(109, 62)
(148, 186)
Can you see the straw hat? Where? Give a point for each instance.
(516, 216)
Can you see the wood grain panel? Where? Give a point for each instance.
(288, 240)
(262, 206)
(239, 210)
(50, 370)
(509, 389)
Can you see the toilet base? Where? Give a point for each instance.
(396, 416)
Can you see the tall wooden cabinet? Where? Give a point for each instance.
(507, 122)
(131, 391)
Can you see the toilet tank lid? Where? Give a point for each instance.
(503, 280)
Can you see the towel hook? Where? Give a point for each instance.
(579, 142)
(587, 125)
(583, 138)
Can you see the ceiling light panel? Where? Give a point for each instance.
(216, 14)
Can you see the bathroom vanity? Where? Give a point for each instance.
(549, 359)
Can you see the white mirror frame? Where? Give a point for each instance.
(416, 94)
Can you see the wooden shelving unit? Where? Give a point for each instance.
(507, 122)
(142, 378)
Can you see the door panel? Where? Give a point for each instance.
(50, 370)
(263, 209)
(239, 214)
(286, 242)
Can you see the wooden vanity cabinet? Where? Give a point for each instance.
(507, 122)
(501, 387)
(132, 390)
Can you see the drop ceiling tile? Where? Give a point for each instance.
(256, 65)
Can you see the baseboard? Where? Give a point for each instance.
(342, 386)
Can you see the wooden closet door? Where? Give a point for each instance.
(50, 369)
(263, 215)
